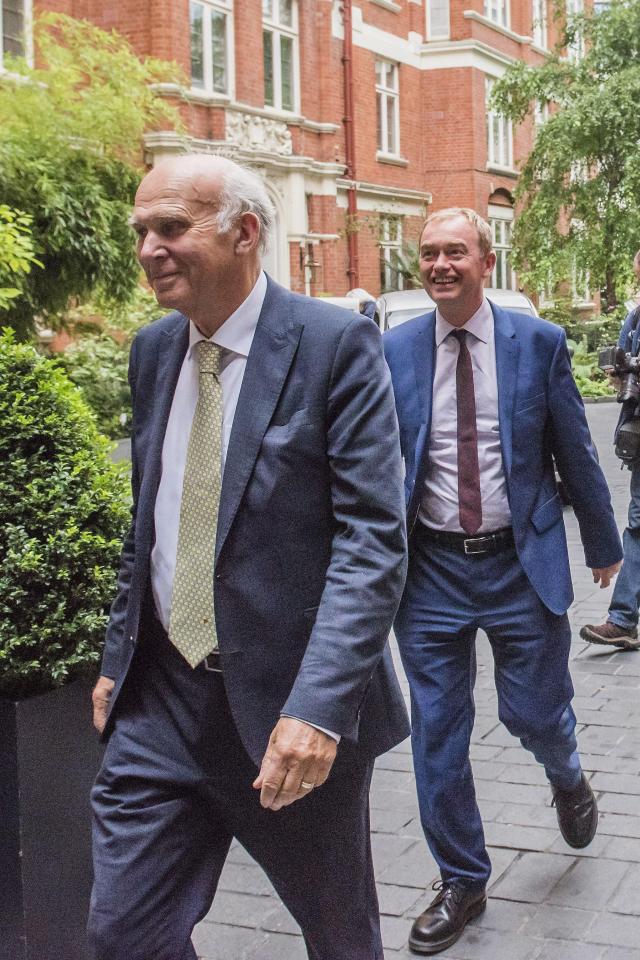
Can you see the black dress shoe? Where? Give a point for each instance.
(446, 917)
(577, 812)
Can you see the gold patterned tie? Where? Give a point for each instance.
(192, 627)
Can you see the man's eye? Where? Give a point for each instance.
(173, 228)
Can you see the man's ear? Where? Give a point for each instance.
(247, 233)
(489, 264)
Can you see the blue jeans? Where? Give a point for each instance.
(448, 597)
(623, 609)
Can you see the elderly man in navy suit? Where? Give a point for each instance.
(246, 683)
(485, 399)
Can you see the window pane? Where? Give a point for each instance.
(13, 27)
(379, 72)
(438, 19)
(197, 60)
(219, 51)
(286, 72)
(286, 13)
(391, 124)
(267, 46)
(379, 104)
(267, 8)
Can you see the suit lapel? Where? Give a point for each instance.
(423, 353)
(272, 351)
(507, 354)
(172, 347)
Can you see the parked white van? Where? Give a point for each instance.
(401, 305)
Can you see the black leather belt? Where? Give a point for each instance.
(487, 543)
(212, 663)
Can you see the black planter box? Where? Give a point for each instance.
(49, 756)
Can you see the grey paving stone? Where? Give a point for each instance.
(524, 773)
(395, 901)
(397, 800)
(390, 821)
(489, 809)
(393, 780)
(616, 930)
(279, 920)
(511, 792)
(621, 953)
(245, 878)
(619, 848)
(538, 815)
(240, 909)
(598, 847)
(532, 877)
(478, 943)
(617, 783)
(501, 860)
(626, 899)
(559, 923)
(484, 751)
(487, 769)
(564, 950)
(387, 849)
(619, 826)
(415, 867)
(217, 941)
(619, 803)
(395, 932)
(609, 764)
(507, 915)
(278, 946)
(518, 837)
(589, 884)
(394, 760)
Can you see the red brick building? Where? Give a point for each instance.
(267, 87)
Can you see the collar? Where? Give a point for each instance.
(237, 332)
(480, 324)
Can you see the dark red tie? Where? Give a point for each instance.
(469, 499)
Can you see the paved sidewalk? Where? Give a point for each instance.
(546, 902)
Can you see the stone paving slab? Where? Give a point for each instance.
(546, 901)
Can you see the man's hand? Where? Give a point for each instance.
(297, 754)
(605, 575)
(100, 697)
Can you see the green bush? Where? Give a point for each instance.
(64, 508)
(98, 366)
(591, 380)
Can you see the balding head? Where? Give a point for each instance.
(201, 221)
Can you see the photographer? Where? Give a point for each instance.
(621, 626)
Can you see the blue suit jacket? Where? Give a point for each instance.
(541, 415)
(310, 551)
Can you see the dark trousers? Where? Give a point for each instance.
(175, 789)
(448, 597)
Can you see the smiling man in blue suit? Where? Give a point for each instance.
(485, 399)
(246, 683)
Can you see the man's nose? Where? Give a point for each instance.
(441, 262)
(151, 247)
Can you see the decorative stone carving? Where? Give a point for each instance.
(258, 133)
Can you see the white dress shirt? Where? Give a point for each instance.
(235, 336)
(439, 505)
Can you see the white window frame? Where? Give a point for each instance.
(390, 243)
(224, 7)
(540, 114)
(27, 17)
(539, 33)
(499, 136)
(498, 11)
(444, 14)
(388, 141)
(575, 51)
(501, 223)
(272, 24)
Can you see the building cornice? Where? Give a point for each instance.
(504, 31)
(381, 190)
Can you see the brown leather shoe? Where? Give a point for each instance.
(445, 918)
(577, 812)
(611, 635)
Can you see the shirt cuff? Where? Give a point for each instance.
(329, 733)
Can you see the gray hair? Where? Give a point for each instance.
(482, 228)
(243, 191)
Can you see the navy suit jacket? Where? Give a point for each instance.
(541, 417)
(311, 547)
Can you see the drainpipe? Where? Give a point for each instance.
(350, 148)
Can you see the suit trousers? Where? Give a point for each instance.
(448, 597)
(175, 789)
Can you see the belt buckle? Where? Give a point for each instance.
(468, 548)
(209, 667)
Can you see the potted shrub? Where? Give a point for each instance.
(63, 511)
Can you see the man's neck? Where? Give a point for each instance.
(458, 317)
(213, 315)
